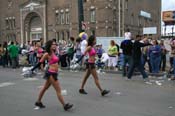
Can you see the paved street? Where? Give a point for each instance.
(127, 98)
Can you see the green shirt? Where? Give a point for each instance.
(112, 51)
(70, 48)
(13, 51)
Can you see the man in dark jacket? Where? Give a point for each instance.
(136, 58)
(126, 47)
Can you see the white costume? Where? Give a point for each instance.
(83, 45)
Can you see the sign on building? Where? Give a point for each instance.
(168, 17)
(149, 30)
(84, 26)
(145, 14)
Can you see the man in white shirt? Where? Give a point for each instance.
(83, 44)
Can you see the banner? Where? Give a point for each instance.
(150, 30)
(168, 16)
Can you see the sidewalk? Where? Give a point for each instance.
(120, 72)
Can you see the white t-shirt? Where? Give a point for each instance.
(127, 35)
(83, 45)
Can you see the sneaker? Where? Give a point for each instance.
(40, 105)
(104, 92)
(68, 106)
(82, 91)
(147, 81)
(127, 79)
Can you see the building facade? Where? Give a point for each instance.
(27, 20)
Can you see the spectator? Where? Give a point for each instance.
(39, 53)
(13, 51)
(136, 58)
(100, 51)
(1, 53)
(5, 55)
(70, 51)
(83, 45)
(155, 56)
(173, 55)
(32, 56)
(126, 47)
(145, 55)
(78, 48)
(112, 52)
(164, 51)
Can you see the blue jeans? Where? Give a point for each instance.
(4, 60)
(15, 62)
(155, 63)
(126, 60)
(32, 59)
(139, 66)
(146, 59)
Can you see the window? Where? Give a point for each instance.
(67, 17)
(139, 21)
(132, 19)
(7, 23)
(68, 34)
(62, 17)
(13, 22)
(93, 16)
(10, 23)
(57, 17)
(62, 35)
(57, 36)
(14, 37)
(126, 4)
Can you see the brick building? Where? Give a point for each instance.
(25, 20)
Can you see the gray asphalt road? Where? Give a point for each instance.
(127, 98)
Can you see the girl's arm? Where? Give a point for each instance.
(43, 58)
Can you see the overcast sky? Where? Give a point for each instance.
(168, 5)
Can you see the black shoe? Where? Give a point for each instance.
(104, 92)
(68, 106)
(82, 91)
(40, 105)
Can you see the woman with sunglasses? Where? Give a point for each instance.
(51, 75)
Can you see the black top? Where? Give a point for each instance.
(126, 46)
(137, 50)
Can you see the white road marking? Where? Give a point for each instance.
(30, 79)
(5, 84)
(117, 93)
(170, 107)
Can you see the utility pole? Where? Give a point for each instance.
(119, 14)
(80, 14)
(123, 17)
